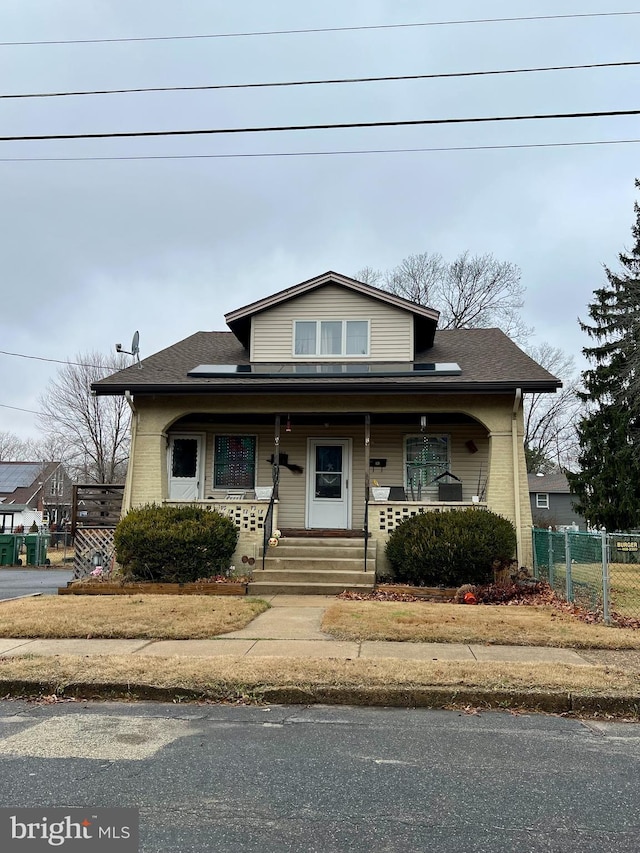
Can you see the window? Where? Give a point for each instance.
(542, 500)
(331, 337)
(234, 462)
(57, 484)
(426, 457)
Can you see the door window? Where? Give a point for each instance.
(184, 460)
(328, 482)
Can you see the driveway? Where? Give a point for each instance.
(15, 582)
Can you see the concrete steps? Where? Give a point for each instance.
(262, 588)
(314, 565)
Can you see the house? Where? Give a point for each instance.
(552, 502)
(319, 396)
(33, 491)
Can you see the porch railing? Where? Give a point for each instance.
(385, 516)
(249, 516)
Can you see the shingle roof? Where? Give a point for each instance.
(488, 359)
(556, 482)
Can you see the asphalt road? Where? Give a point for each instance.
(276, 779)
(15, 582)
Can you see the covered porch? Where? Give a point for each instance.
(330, 474)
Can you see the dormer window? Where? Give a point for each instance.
(331, 337)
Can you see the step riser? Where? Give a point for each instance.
(302, 564)
(317, 542)
(259, 589)
(269, 576)
(320, 553)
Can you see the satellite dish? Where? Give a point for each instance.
(135, 348)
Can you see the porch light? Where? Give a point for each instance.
(288, 426)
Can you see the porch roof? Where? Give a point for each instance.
(489, 363)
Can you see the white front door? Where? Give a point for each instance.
(328, 483)
(185, 467)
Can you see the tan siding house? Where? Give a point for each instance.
(332, 408)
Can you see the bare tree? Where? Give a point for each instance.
(12, 448)
(550, 439)
(474, 291)
(370, 276)
(93, 431)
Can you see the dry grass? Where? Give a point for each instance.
(624, 585)
(59, 557)
(175, 617)
(486, 624)
(223, 678)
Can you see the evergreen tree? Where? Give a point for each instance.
(607, 485)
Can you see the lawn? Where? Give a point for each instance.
(175, 617)
(624, 586)
(422, 622)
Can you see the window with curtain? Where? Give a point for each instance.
(234, 462)
(331, 337)
(305, 337)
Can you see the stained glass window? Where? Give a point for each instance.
(234, 464)
(427, 456)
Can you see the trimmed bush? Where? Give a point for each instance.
(451, 548)
(174, 544)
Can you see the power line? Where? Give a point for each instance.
(53, 360)
(336, 126)
(18, 409)
(319, 153)
(310, 30)
(282, 84)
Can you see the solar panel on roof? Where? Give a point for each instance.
(311, 369)
(15, 475)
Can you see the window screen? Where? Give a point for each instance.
(234, 462)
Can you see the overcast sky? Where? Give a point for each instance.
(93, 250)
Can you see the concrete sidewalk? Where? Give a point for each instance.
(291, 628)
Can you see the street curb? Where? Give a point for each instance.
(396, 697)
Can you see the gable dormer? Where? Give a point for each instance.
(333, 317)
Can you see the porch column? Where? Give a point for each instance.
(516, 473)
(367, 456)
(275, 471)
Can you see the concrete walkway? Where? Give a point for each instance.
(291, 628)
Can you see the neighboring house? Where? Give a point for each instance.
(339, 384)
(552, 502)
(33, 491)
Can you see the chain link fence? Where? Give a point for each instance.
(599, 572)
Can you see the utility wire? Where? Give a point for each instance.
(336, 126)
(308, 30)
(282, 84)
(18, 409)
(319, 153)
(53, 360)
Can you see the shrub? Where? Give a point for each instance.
(174, 544)
(451, 548)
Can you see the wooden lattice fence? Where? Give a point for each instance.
(96, 511)
(93, 548)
